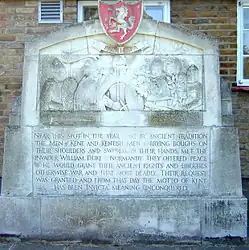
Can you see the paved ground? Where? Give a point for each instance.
(17, 244)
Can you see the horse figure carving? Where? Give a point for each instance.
(118, 22)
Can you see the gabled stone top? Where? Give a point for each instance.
(80, 69)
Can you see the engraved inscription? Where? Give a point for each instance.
(124, 161)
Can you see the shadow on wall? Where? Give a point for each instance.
(245, 187)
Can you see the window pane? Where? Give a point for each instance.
(156, 12)
(246, 68)
(246, 18)
(246, 43)
(90, 12)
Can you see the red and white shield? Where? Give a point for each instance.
(121, 20)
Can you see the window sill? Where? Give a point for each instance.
(240, 89)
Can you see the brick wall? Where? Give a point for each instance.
(18, 21)
(218, 18)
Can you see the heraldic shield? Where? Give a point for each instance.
(121, 19)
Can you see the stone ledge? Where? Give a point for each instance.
(123, 220)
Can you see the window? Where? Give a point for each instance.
(243, 44)
(87, 10)
(157, 10)
(50, 11)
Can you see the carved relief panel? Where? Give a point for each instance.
(121, 82)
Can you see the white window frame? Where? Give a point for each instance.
(165, 4)
(240, 41)
(40, 20)
(81, 5)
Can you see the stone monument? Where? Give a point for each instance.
(122, 136)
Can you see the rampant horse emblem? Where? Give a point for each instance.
(121, 20)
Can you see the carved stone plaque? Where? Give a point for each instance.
(121, 83)
(121, 161)
(122, 144)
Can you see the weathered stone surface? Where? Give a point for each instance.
(175, 119)
(5, 246)
(120, 220)
(70, 245)
(15, 115)
(183, 41)
(147, 79)
(121, 161)
(38, 246)
(224, 217)
(119, 118)
(153, 247)
(225, 174)
(20, 217)
(17, 171)
(212, 116)
(154, 83)
(123, 144)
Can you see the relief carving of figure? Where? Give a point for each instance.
(158, 92)
(122, 97)
(115, 97)
(157, 83)
(52, 77)
(171, 84)
(85, 97)
(61, 82)
(117, 90)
